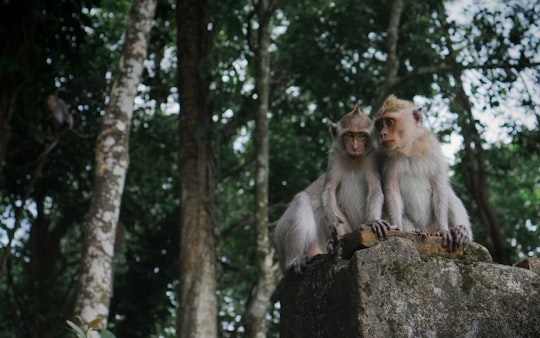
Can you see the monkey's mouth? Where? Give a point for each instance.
(358, 153)
(388, 143)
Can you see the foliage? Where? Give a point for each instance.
(326, 56)
(513, 169)
(87, 330)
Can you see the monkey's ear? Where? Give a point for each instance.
(333, 129)
(418, 115)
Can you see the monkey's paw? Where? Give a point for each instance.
(380, 227)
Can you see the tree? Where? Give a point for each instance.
(112, 160)
(43, 255)
(197, 312)
(325, 57)
(512, 168)
(268, 270)
(474, 165)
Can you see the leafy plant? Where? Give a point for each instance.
(89, 330)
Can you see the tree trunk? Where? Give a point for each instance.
(197, 313)
(256, 308)
(475, 166)
(392, 65)
(476, 173)
(112, 160)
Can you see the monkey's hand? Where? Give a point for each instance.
(460, 235)
(380, 227)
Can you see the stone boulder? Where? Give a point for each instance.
(398, 288)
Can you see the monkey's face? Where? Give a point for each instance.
(354, 142)
(351, 134)
(389, 131)
(399, 130)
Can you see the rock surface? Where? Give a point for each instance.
(394, 289)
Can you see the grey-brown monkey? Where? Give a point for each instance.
(348, 195)
(418, 195)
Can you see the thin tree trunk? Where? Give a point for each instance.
(392, 65)
(476, 173)
(256, 308)
(112, 160)
(197, 313)
(475, 166)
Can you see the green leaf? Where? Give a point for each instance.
(106, 334)
(80, 333)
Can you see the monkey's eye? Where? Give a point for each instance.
(378, 125)
(349, 135)
(389, 122)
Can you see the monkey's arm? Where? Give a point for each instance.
(393, 198)
(332, 213)
(440, 202)
(375, 197)
(374, 201)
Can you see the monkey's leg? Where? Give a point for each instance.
(333, 241)
(423, 233)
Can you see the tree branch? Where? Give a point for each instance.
(449, 68)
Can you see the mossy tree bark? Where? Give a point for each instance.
(111, 165)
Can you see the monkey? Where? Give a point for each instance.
(417, 190)
(58, 121)
(59, 116)
(352, 175)
(346, 197)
